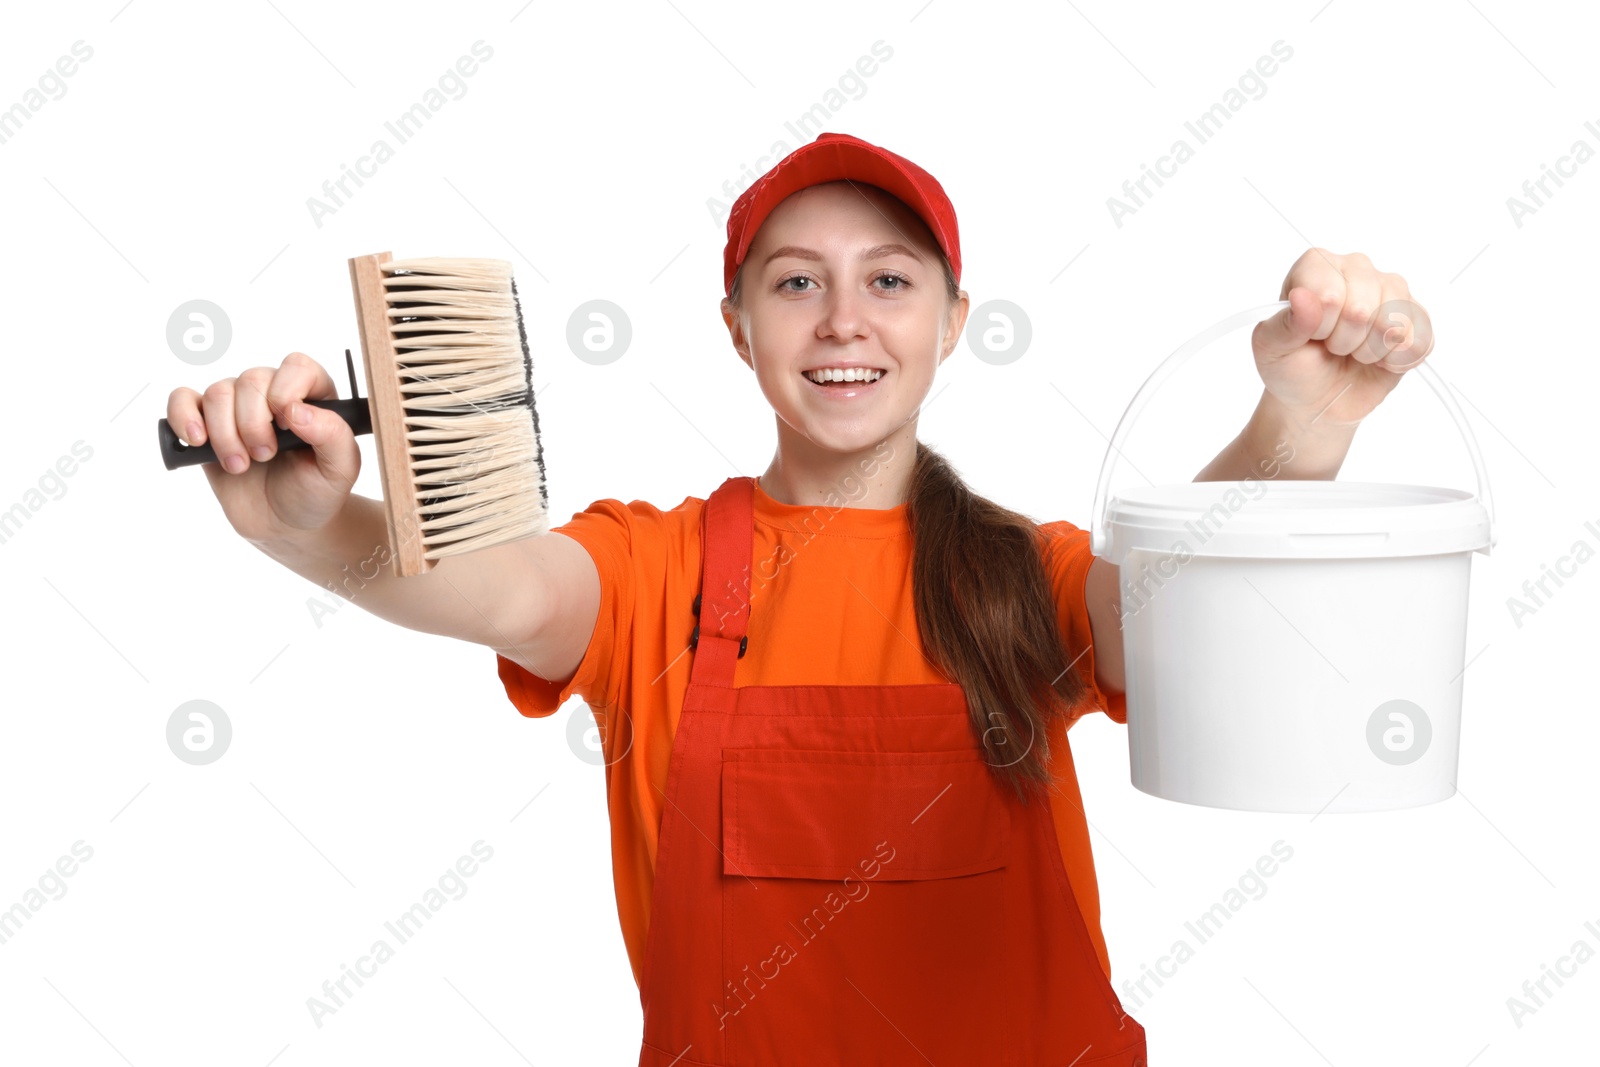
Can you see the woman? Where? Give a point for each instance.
(834, 699)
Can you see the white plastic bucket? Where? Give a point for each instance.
(1290, 645)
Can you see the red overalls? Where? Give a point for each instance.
(841, 879)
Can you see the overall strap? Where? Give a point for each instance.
(727, 540)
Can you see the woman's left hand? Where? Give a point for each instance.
(1349, 334)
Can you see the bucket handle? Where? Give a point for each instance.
(1097, 535)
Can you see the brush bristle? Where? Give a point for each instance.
(466, 379)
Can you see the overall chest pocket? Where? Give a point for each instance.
(859, 888)
(877, 816)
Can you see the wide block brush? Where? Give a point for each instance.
(450, 405)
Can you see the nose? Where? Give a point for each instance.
(844, 315)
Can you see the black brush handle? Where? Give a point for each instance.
(355, 411)
(175, 454)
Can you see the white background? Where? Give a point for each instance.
(366, 758)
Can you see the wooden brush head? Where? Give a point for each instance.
(450, 385)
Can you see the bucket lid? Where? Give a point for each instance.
(1291, 519)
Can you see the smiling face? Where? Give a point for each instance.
(844, 277)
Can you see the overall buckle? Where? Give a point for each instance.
(694, 636)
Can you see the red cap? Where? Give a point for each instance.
(830, 157)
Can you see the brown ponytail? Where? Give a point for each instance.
(986, 612)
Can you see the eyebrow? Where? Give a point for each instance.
(875, 252)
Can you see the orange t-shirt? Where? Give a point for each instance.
(830, 604)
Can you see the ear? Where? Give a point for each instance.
(955, 323)
(734, 321)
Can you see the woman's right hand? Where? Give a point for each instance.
(265, 495)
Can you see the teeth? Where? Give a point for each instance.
(836, 374)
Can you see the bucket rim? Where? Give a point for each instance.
(1146, 496)
(1295, 519)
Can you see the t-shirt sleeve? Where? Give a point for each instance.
(606, 530)
(1067, 558)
